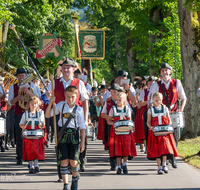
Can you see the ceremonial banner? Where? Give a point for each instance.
(92, 43)
(49, 45)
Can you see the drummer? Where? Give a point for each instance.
(13, 99)
(159, 146)
(173, 89)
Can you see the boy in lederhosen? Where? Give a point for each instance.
(68, 146)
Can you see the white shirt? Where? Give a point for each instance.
(111, 113)
(82, 89)
(89, 88)
(166, 109)
(80, 121)
(142, 94)
(180, 91)
(23, 119)
(104, 110)
(106, 96)
(36, 91)
(1, 90)
(198, 92)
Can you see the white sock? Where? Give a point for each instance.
(31, 164)
(164, 163)
(124, 163)
(119, 167)
(159, 168)
(36, 163)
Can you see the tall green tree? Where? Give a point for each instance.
(190, 50)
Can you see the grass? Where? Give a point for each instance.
(189, 150)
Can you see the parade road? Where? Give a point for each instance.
(142, 173)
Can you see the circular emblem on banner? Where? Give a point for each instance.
(90, 43)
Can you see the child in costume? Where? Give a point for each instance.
(121, 145)
(160, 146)
(114, 90)
(33, 149)
(68, 147)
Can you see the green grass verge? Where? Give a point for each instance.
(189, 149)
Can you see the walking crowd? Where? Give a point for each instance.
(119, 113)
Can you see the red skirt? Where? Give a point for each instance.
(122, 145)
(161, 145)
(101, 126)
(139, 126)
(34, 148)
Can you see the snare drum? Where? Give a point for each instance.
(178, 119)
(160, 130)
(123, 126)
(2, 126)
(33, 133)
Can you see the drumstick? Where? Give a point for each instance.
(27, 122)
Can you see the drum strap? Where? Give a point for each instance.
(72, 115)
(165, 94)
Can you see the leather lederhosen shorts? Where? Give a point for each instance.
(68, 147)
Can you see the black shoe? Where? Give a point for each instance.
(125, 170)
(3, 149)
(113, 168)
(82, 167)
(13, 144)
(60, 180)
(173, 162)
(37, 169)
(74, 185)
(119, 171)
(31, 171)
(165, 169)
(19, 162)
(160, 171)
(47, 145)
(66, 187)
(7, 147)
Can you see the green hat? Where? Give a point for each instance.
(165, 65)
(103, 86)
(20, 71)
(69, 61)
(77, 71)
(115, 86)
(94, 89)
(151, 78)
(122, 73)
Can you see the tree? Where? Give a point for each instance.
(38, 17)
(190, 49)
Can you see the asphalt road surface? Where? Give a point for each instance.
(142, 173)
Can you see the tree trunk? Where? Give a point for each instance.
(118, 62)
(154, 18)
(190, 51)
(3, 38)
(131, 54)
(112, 68)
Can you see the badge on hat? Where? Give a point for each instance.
(69, 61)
(165, 65)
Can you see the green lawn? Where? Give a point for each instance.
(190, 151)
